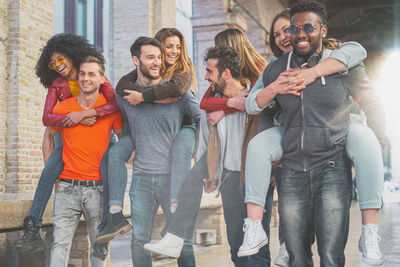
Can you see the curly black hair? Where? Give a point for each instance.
(73, 46)
(227, 57)
(310, 6)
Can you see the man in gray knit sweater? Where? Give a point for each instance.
(153, 128)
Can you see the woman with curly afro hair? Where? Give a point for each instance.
(57, 69)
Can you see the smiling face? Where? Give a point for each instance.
(172, 49)
(213, 76)
(281, 34)
(306, 44)
(63, 65)
(90, 77)
(149, 63)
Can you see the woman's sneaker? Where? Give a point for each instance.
(254, 238)
(283, 257)
(369, 245)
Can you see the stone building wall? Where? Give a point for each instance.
(132, 19)
(210, 17)
(25, 27)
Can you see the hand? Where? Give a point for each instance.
(237, 102)
(209, 186)
(90, 121)
(132, 158)
(167, 100)
(133, 97)
(289, 83)
(74, 118)
(273, 182)
(275, 164)
(214, 117)
(308, 74)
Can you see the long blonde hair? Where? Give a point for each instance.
(184, 63)
(252, 62)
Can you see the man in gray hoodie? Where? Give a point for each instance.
(316, 174)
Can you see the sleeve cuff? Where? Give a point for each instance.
(149, 95)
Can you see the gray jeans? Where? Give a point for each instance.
(69, 204)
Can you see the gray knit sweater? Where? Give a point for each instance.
(153, 128)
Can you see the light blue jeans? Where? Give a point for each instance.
(182, 151)
(70, 202)
(362, 147)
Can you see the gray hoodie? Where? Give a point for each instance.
(317, 122)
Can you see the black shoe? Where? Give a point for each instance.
(100, 250)
(116, 224)
(31, 239)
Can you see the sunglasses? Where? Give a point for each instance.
(59, 60)
(308, 28)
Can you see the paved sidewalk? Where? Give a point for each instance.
(218, 255)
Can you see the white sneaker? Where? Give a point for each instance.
(170, 245)
(254, 238)
(283, 257)
(369, 245)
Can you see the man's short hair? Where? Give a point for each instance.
(227, 57)
(310, 6)
(136, 47)
(93, 59)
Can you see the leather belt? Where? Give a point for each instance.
(82, 182)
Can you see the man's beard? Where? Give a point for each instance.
(147, 74)
(219, 88)
(313, 47)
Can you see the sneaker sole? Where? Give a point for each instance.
(36, 246)
(155, 249)
(282, 263)
(108, 237)
(252, 251)
(372, 262)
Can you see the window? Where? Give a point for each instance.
(85, 18)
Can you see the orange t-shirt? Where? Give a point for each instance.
(84, 146)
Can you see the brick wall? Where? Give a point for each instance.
(26, 26)
(3, 102)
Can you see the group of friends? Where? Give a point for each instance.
(296, 123)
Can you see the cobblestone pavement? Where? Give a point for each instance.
(218, 255)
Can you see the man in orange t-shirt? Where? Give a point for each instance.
(80, 188)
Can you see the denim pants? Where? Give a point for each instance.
(182, 151)
(317, 200)
(362, 147)
(232, 194)
(147, 193)
(69, 204)
(52, 170)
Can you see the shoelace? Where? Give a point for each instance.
(247, 235)
(369, 238)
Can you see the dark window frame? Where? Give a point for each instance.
(70, 25)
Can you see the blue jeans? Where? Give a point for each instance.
(147, 193)
(232, 194)
(52, 170)
(50, 174)
(182, 151)
(320, 197)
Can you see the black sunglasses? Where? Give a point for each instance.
(308, 28)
